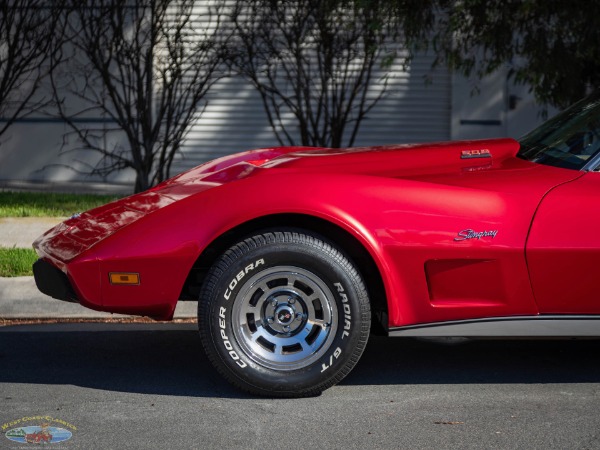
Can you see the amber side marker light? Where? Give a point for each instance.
(124, 278)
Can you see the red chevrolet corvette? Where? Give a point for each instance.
(296, 253)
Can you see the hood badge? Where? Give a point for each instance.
(482, 153)
(471, 234)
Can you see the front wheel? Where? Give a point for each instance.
(284, 314)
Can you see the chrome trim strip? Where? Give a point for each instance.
(592, 164)
(521, 326)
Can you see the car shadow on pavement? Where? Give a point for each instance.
(138, 358)
(477, 361)
(151, 359)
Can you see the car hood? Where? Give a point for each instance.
(490, 164)
(401, 159)
(389, 160)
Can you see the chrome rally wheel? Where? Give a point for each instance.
(283, 314)
(283, 318)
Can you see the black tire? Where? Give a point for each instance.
(284, 314)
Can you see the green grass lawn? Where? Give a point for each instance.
(41, 204)
(16, 262)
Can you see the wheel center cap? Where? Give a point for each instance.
(285, 315)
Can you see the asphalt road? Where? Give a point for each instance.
(150, 386)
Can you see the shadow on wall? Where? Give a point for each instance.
(34, 151)
(416, 108)
(413, 110)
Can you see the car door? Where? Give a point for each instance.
(563, 248)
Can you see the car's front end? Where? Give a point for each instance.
(129, 256)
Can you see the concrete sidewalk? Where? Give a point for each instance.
(19, 296)
(22, 231)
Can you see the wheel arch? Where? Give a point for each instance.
(341, 238)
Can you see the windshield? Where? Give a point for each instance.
(570, 139)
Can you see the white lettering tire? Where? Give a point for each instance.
(284, 314)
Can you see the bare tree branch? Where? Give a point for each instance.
(313, 61)
(28, 35)
(145, 65)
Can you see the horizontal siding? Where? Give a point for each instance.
(410, 111)
(234, 120)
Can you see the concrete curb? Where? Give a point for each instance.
(20, 299)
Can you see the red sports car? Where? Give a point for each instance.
(295, 254)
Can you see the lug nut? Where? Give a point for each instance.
(270, 319)
(291, 300)
(286, 328)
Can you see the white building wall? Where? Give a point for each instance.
(493, 107)
(411, 111)
(416, 108)
(421, 105)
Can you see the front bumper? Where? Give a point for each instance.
(53, 282)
